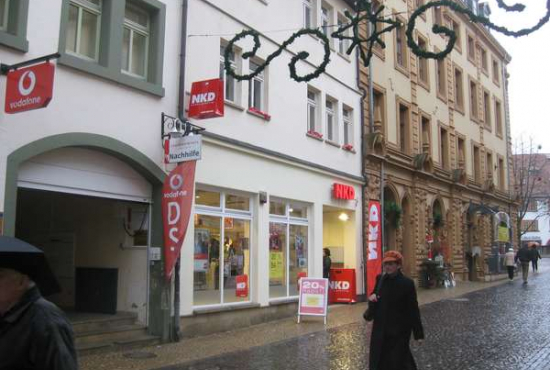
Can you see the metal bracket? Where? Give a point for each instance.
(5, 68)
(185, 127)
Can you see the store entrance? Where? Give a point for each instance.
(96, 247)
(339, 236)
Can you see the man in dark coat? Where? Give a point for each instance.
(34, 333)
(524, 256)
(396, 317)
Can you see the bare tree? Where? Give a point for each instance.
(530, 184)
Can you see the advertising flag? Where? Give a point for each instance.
(374, 243)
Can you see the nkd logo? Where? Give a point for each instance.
(339, 285)
(203, 98)
(241, 285)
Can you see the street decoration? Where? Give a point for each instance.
(378, 25)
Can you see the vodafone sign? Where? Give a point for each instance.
(29, 88)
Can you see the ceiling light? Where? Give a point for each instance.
(343, 216)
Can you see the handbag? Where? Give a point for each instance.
(368, 315)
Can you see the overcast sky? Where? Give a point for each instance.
(529, 71)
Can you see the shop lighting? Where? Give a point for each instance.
(343, 216)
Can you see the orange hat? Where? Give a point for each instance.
(393, 256)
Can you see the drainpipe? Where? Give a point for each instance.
(175, 332)
(506, 133)
(364, 172)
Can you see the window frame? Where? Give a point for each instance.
(236, 64)
(499, 118)
(458, 92)
(14, 35)
(262, 79)
(83, 6)
(483, 59)
(144, 31)
(423, 61)
(347, 123)
(332, 113)
(404, 144)
(109, 63)
(308, 5)
(442, 95)
(315, 105)
(403, 50)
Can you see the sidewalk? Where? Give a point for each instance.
(259, 335)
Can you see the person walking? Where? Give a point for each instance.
(327, 262)
(524, 257)
(395, 317)
(34, 333)
(510, 263)
(535, 257)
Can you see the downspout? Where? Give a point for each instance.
(364, 205)
(175, 333)
(507, 133)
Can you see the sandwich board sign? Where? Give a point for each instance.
(313, 297)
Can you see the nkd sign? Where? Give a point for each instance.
(341, 191)
(183, 149)
(29, 88)
(207, 100)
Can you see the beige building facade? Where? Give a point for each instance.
(438, 143)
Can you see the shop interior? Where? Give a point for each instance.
(339, 236)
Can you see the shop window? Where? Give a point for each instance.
(222, 254)
(207, 198)
(257, 89)
(459, 89)
(13, 24)
(347, 114)
(487, 109)
(288, 250)
(441, 77)
(231, 85)
(135, 41)
(236, 202)
(404, 129)
(423, 64)
(444, 148)
(498, 118)
(83, 28)
(312, 112)
(331, 120)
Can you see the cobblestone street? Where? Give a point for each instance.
(503, 327)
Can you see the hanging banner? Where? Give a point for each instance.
(29, 88)
(374, 252)
(177, 198)
(503, 234)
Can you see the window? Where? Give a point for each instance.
(13, 24)
(474, 110)
(423, 66)
(232, 86)
(256, 89)
(347, 115)
(404, 129)
(84, 28)
(425, 141)
(461, 157)
(498, 117)
(441, 75)
(135, 42)
(489, 166)
(401, 49)
(222, 253)
(308, 14)
(122, 41)
(379, 111)
(377, 48)
(331, 120)
(484, 62)
(288, 248)
(325, 20)
(532, 206)
(312, 112)
(444, 148)
(487, 109)
(530, 225)
(477, 164)
(459, 90)
(496, 72)
(501, 174)
(471, 50)
(343, 45)
(455, 26)
(438, 16)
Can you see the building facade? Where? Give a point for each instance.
(438, 142)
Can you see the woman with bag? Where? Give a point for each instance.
(510, 263)
(393, 307)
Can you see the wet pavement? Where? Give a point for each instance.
(506, 326)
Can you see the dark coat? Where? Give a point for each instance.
(327, 262)
(35, 334)
(396, 316)
(524, 255)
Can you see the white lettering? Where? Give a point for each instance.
(175, 206)
(203, 98)
(21, 103)
(172, 236)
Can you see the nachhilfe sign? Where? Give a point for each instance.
(29, 88)
(207, 100)
(183, 149)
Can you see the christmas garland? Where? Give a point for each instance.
(365, 14)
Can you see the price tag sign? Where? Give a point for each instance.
(313, 297)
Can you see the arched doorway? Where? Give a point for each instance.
(440, 244)
(409, 247)
(392, 218)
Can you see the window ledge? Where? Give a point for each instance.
(224, 308)
(259, 114)
(233, 105)
(425, 85)
(14, 42)
(441, 97)
(404, 70)
(116, 76)
(282, 301)
(349, 148)
(459, 110)
(333, 143)
(315, 135)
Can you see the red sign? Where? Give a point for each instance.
(341, 191)
(177, 198)
(313, 296)
(429, 238)
(299, 276)
(374, 252)
(242, 286)
(342, 286)
(207, 100)
(29, 88)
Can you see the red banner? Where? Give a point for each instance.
(207, 100)
(29, 88)
(374, 252)
(177, 198)
(241, 286)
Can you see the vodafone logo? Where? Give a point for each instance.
(31, 77)
(176, 182)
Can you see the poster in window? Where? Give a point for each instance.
(276, 265)
(202, 244)
(228, 223)
(300, 248)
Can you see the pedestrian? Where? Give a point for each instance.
(510, 263)
(395, 317)
(327, 262)
(34, 333)
(524, 257)
(535, 257)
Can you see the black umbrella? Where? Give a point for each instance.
(18, 255)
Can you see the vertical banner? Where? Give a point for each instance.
(374, 243)
(177, 199)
